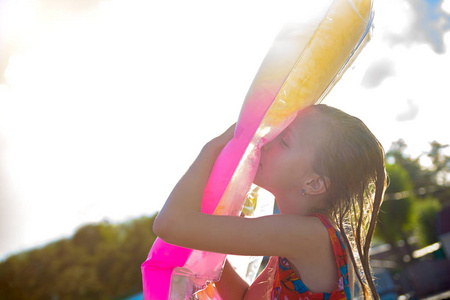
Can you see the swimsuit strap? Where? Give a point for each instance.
(339, 251)
(336, 242)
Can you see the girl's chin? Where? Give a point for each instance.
(259, 182)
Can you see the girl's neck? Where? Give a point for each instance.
(302, 206)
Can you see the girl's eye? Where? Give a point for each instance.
(284, 142)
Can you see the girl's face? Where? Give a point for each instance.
(286, 162)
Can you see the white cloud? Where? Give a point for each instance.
(414, 22)
(377, 72)
(409, 113)
(445, 5)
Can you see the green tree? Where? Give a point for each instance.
(414, 196)
(395, 218)
(420, 177)
(440, 162)
(101, 261)
(425, 211)
(432, 180)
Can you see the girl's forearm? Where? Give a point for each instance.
(185, 199)
(231, 286)
(184, 203)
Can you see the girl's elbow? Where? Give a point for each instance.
(172, 228)
(160, 227)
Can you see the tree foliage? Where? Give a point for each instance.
(414, 196)
(396, 216)
(100, 261)
(435, 175)
(425, 212)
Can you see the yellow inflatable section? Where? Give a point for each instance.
(322, 62)
(336, 42)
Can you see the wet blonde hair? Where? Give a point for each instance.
(352, 158)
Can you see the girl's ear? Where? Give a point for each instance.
(317, 185)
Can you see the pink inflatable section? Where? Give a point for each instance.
(299, 70)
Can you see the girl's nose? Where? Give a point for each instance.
(266, 146)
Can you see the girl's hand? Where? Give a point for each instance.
(219, 142)
(184, 203)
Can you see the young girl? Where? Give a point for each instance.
(326, 171)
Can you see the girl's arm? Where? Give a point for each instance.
(181, 222)
(231, 286)
(183, 207)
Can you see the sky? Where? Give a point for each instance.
(104, 104)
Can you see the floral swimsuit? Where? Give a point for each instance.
(287, 284)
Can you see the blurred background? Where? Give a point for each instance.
(104, 105)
